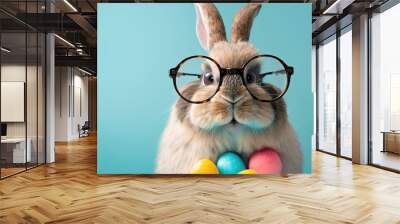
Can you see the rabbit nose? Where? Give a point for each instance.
(230, 99)
(231, 88)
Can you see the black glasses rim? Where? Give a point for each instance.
(173, 74)
(288, 69)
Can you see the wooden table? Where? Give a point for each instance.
(391, 141)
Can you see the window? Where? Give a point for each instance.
(385, 89)
(346, 92)
(333, 137)
(22, 101)
(327, 96)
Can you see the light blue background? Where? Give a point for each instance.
(139, 43)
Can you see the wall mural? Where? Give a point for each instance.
(181, 94)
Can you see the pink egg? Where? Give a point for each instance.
(265, 161)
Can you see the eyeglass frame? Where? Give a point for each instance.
(289, 70)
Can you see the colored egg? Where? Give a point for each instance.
(248, 171)
(230, 163)
(205, 166)
(265, 161)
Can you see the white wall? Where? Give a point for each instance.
(69, 112)
(79, 117)
(62, 82)
(15, 72)
(13, 101)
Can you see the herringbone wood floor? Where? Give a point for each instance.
(70, 191)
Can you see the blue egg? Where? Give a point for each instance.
(230, 163)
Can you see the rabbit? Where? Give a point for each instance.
(232, 120)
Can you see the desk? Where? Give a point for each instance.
(13, 150)
(391, 141)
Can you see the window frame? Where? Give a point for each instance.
(336, 38)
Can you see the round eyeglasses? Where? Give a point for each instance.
(264, 70)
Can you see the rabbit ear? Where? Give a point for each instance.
(209, 26)
(243, 21)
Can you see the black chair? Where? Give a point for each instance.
(84, 130)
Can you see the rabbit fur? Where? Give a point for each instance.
(204, 131)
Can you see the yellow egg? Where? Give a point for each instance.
(248, 171)
(205, 166)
